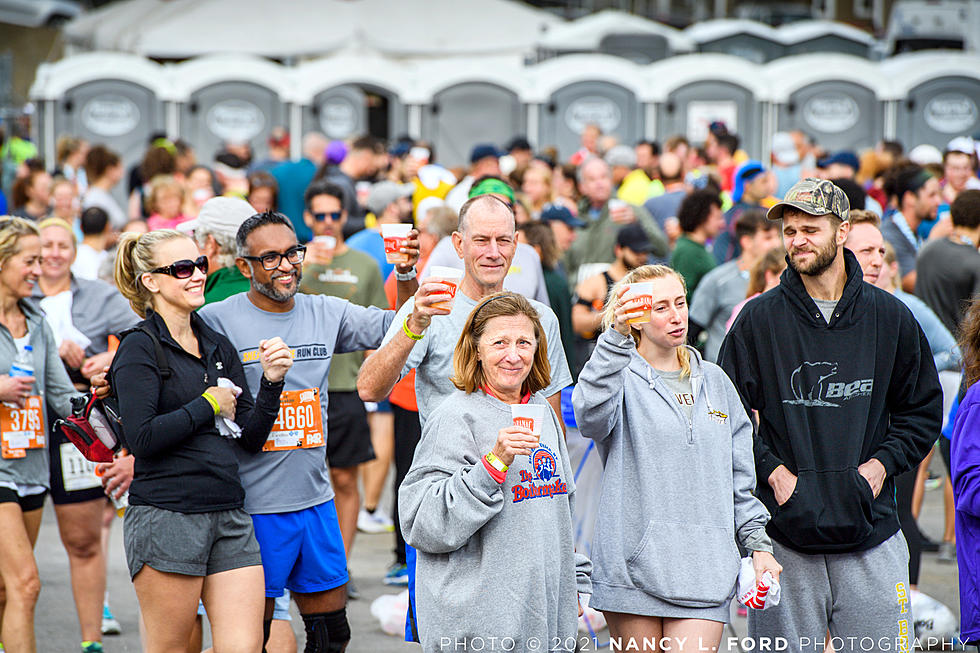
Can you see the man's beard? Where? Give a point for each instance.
(824, 259)
(270, 290)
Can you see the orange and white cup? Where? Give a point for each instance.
(324, 247)
(395, 236)
(639, 297)
(450, 277)
(530, 416)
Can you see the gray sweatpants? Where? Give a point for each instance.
(862, 597)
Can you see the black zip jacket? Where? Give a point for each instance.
(829, 398)
(182, 463)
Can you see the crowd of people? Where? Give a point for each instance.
(766, 355)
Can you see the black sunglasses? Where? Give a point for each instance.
(272, 260)
(184, 269)
(335, 215)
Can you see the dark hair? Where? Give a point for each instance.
(895, 148)
(322, 187)
(98, 160)
(540, 234)
(750, 222)
(728, 141)
(262, 179)
(965, 210)
(368, 142)
(969, 341)
(182, 147)
(93, 221)
(654, 146)
(253, 223)
(907, 178)
(856, 196)
(21, 186)
(158, 160)
(695, 209)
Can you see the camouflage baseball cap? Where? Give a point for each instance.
(813, 196)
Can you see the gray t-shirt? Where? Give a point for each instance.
(905, 247)
(317, 327)
(681, 388)
(714, 300)
(826, 307)
(432, 356)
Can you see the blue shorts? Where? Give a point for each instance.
(302, 551)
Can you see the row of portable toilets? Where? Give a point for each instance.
(841, 100)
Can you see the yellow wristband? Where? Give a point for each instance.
(213, 402)
(410, 333)
(496, 463)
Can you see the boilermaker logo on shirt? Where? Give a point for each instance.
(819, 384)
(544, 468)
(313, 352)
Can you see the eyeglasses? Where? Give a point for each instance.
(272, 260)
(184, 269)
(335, 215)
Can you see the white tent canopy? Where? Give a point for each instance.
(178, 29)
(587, 33)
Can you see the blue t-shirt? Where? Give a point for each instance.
(293, 177)
(371, 243)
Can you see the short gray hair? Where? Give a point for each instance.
(580, 172)
(226, 244)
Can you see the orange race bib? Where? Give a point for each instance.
(300, 422)
(22, 428)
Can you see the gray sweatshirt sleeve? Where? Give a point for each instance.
(447, 495)
(598, 396)
(751, 516)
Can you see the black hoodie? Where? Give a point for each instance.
(831, 397)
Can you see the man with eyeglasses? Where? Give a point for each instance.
(352, 275)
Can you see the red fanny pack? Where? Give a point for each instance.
(94, 427)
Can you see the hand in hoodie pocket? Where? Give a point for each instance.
(663, 566)
(828, 510)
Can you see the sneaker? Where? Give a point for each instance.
(947, 553)
(353, 593)
(928, 545)
(91, 647)
(397, 575)
(374, 522)
(110, 626)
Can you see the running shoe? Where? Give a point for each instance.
(91, 647)
(374, 522)
(947, 553)
(353, 593)
(397, 575)
(110, 626)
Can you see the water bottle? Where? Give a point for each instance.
(23, 365)
(122, 502)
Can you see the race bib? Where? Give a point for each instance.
(77, 473)
(300, 422)
(22, 428)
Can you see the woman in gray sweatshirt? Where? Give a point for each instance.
(488, 505)
(678, 474)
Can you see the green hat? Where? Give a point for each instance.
(813, 196)
(492, 186)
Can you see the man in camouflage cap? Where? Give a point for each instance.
(848, 397)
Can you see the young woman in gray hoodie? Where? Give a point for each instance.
(488, 505)
(678, 476)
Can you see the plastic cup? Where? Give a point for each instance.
(640, 297)
(449, 276)
(616, 203)
(530, 416)
(325, 246)
(395, 236)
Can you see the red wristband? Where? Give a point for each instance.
(498, 476)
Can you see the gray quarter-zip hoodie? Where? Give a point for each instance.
(676, 492)
(494, 560)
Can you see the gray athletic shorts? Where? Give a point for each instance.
(198, 544)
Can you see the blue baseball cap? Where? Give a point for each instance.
(844, 157)
(483, 151)
(562, 214)
(749, 171)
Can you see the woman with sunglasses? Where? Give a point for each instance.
(186, 533)
(26, 341)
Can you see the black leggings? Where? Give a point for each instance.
(408, 432)
(904, 487)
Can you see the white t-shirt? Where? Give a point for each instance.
(88, 262)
